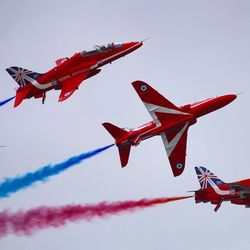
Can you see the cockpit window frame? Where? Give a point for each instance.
(99, 49)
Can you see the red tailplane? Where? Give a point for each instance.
(118, 133)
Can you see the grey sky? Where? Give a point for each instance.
(198, 49)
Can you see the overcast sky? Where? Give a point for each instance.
(198, 49)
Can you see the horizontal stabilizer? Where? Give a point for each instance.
(124, 154)
(21, 94)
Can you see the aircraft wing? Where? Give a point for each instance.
(69, 86)
(175, 143)
(160, 109)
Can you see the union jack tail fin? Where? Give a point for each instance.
(206, 178)
(22, 76)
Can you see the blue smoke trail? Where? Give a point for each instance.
(12, 185)
(7, 100)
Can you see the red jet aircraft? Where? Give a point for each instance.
(216, 191)
(69, 72)
(169, 121)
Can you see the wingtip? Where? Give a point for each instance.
(138, 82)
(140, 86)
(63, 97)
(178, 173)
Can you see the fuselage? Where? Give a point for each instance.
(224, 192)
(194, 111)
(85, 62)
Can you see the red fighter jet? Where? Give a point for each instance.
(216, 191)
(169, 121)
(69, 72)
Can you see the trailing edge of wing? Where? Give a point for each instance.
(21, 94)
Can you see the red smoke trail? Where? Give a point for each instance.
(26, 223)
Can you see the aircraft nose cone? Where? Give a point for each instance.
(224, 100)
(133, 45)
(229, 98)
(140, 44)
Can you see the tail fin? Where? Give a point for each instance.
(22, 76)
(117, 132)
(206, 178)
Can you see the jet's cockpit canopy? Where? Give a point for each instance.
(100, 48)
(128, 129)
